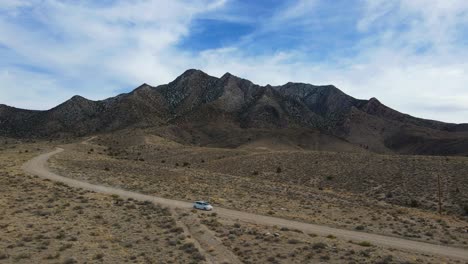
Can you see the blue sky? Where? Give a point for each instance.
(410, 54)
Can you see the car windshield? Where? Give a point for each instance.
(204, 203)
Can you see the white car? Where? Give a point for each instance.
(202, 205)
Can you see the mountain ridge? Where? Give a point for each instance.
(206, 105)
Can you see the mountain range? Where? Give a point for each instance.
(200, 109)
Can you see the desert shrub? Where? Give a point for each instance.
(65, 246)
(177, 230)
(329, 178)
(70, 261)
(19, 244)
(414, 203)
(50, 256)
(331, 237)
(386, 260)
(106, 169)
(97, 216)
(272, 259)
(255, 173)
(198, 256)
(365, 244)
(211, 222)
(163, 161)
(3, 256)
(360, 228)
(278, 170)
(186, 164)
(61, 235)
(465, 209)
(147, 203)
(131, 206)
(172, 242)
(319, 245)
(127, 244)
(189, 247)
(78, 207)
(27, 239)
(22, 256)
(98, 256)
(294, 241)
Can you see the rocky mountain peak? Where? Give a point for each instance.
(192, 73)
(76, 100)
(226, 75)
(374, 106)
(144, 85)
(143, 89)
(374, 101)
(229, 76)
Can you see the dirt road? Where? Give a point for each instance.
(38, 166)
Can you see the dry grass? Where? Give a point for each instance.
(46, 222)
(57, 224)
(344, 190)
(259, 244)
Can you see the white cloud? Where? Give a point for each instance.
(298, 10)
(29, 89)
(116, 46)
(414, 58)
(10, 5)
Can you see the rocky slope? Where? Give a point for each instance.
(229, 111)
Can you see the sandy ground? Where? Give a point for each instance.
(37, 167)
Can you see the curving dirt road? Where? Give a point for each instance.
(38, 166)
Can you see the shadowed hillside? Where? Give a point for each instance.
(199, 109)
